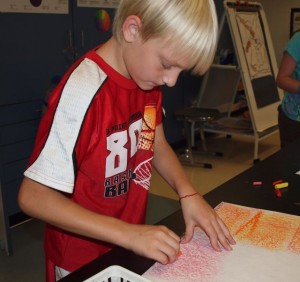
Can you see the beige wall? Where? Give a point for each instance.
(278, 15)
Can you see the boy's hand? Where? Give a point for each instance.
(197, 212)
(155, 242)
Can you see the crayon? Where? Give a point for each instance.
(257, 183)
(281, 185)
(179, 253)
(278, 193)
(277, 182)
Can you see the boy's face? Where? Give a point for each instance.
(152, 63)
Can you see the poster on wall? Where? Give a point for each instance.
(35, 6)
(98, 3)
(295, 21)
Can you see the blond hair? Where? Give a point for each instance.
(191, 25)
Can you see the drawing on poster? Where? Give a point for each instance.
(267, 249)
(253, 44)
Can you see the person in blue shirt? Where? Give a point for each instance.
(288, 79)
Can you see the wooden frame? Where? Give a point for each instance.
(295, 21)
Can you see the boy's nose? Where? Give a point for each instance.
(170, 78)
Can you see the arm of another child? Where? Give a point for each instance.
(196, 211)
(284, 77)
(47, 204)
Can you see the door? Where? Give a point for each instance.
(34, 50)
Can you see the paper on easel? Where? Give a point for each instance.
(267, 249)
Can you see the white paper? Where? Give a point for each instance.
(267, 250)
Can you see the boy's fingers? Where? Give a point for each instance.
(174, 236)
(188, 235)
(214, 239)
(226, 239)
(220, 235)
(168, 249)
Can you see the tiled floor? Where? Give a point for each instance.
(27, 263)
(238, 155)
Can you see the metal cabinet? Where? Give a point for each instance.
(34, 49)
(18, 126)
(32, 52)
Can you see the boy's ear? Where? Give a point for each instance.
(131, 28)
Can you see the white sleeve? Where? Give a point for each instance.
(54, 166)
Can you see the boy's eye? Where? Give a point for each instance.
(165, 66)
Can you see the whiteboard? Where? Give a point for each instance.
(256, 57)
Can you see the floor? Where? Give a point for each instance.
(238, 155)
(27, 263)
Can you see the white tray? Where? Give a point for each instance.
(116, 273)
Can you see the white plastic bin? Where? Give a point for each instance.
(116, 273)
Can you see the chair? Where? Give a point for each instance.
(215, 99)
(199, 116)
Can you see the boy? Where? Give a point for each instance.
(88, 177)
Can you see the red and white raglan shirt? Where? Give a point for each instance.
(95, 144)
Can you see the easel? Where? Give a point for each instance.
(256, 70)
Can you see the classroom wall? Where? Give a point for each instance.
(278, 14)
(186, 90)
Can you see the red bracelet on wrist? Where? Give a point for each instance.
(187, 196)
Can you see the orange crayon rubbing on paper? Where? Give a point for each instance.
(249, 226)
(267, 231)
